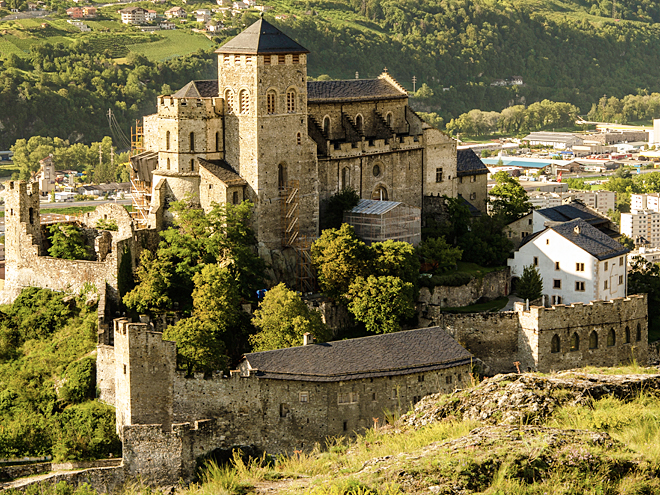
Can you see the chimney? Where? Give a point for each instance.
(577, 229)
(308, 338)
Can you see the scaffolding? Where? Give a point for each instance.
(378, 221)
(291, 237)
(140, 189)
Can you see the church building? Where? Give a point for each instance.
(263, 132)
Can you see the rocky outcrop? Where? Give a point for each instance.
(526, 398)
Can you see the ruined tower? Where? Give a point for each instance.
(22, 222)
(262, 76)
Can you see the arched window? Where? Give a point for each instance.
(555, 344)
(388, 119)
(638, 336)
(168, 164)
(345, 177)
(627, 335)
(299, 139)
(229, 100)
(326, 126)
(379, 194)
(271, 98)
(593, 340)
(575, 342)
(167, 140)
(291, 101)
(359, 123)
(281, 176)
(217, 141)
(192, 141)
(611, 338)
(244, 101)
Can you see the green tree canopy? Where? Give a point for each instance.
(339, 258)
(67, 242)
(283, 318)
(508, 198)
(222, 236)
(381, 302)
(336, 205)
(530, 284)
(201, 340)
(397, 259)
(437, 256)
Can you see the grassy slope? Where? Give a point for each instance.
(514, 459)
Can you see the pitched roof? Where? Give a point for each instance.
(391, 354)
(571, 211)
(374, 207)
(590, 239)
(198, 89)
(468, 163)
(223, 171)
(352, 90)
(261, 37)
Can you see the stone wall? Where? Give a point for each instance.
(491, 286)
(620, 327)
(22, 470)
(27, 265)
(167, 420)
(105, 373)
(525, 336)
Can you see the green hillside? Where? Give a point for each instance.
(572, 51)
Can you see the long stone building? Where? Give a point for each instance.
(263, 132)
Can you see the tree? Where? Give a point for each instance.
(644, 278)
(283, 318)
(202, 339)
(381, 302)
(67, 242)
(424, 92)
(530, 284)
(437, 256)
(433, 119)
(339, 258)
(336, 205)
(397, 259)
(626, 241)
(510, 200)
(197, 239)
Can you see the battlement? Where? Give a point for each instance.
(635, 303)
(190, 108)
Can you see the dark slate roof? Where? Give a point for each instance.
(572, 211)
(590, 239)
(468, 163)
(352, 90)
(223, 171)
(261, 37)
(198, 89)
(391, 354)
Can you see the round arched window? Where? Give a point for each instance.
(376, 170)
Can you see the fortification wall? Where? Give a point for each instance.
(491, 337)
(491, 286)
(502, 339)
(620, 327)
(105, 373)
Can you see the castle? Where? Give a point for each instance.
(264, 133)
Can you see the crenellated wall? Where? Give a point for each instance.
(525, 336)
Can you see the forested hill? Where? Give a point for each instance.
(570, 50)
(464, 45)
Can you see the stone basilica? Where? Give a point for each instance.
(264, 133)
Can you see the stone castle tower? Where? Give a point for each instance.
(262, 75)
(243, 136)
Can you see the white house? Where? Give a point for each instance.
(578, 263)
(133, 15)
